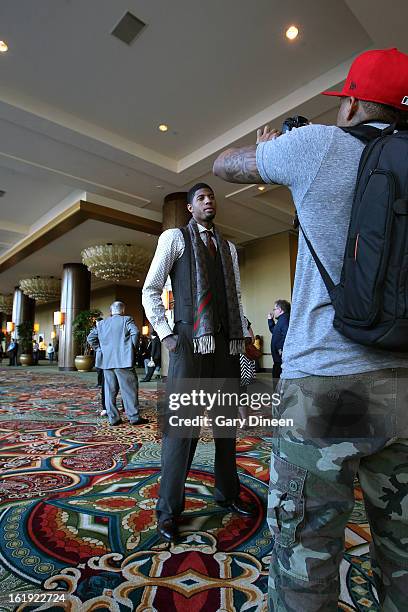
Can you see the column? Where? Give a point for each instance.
(3, 323)
(23, 308)
(75, 297)
(175, 213)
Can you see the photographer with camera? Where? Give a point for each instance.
(343, 376)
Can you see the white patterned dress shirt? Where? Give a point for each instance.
(170, 248)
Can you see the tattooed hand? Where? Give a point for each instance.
(267, 134)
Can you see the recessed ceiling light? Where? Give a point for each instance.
(138, 280)
(3, 46)
(261, 188)
(163, 127)
(292, 32)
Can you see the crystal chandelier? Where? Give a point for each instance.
(6, 303)
(116, 262)
(42, 288)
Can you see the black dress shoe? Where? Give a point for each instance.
(139, 421)
(167, 529)
(237, 507)
(116, 423)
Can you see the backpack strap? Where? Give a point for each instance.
(323, 272)
(366, 133)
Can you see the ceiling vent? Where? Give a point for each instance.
(2, 193)
(128, 28)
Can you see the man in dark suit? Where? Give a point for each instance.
(115, 340)
(12, 351)
(278, 322)
(154, 355)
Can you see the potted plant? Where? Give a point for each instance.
(82, 325)
(25, 333)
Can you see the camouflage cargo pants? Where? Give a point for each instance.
(342, 427)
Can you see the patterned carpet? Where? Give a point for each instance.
(77, 504)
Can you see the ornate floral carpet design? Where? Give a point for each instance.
(77, 512)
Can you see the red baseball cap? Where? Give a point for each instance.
(378, 76)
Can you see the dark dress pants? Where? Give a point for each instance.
(178, 452)
(150, 372)
(276, 370)
(101, 384)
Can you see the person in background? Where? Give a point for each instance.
(154, 356)
(101, 381)
(115, 341)
(50, 353)
(36, 352)
(247, 371)
(247, 366)
(258, 344)
(141, 353)
(278, 322)
(12, 351)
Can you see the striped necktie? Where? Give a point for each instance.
(210, 243)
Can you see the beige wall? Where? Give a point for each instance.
(101, 299)
(265, 268)
(132, 297)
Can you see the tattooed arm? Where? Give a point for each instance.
(239, 165)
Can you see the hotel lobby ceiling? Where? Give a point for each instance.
(79, 109)
(67, 249)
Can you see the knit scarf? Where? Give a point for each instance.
(203, 299)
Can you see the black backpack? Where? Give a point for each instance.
(371, 300)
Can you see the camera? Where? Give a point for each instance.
(294, 122)
(290, 123)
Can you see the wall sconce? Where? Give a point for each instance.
(53, 335)
(59, 318)
(36, 328)
(145, 330)
(10, 327)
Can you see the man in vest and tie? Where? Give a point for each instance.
(208, 336)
